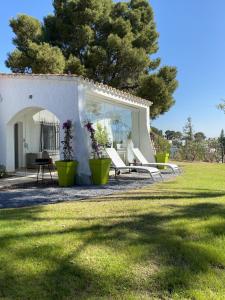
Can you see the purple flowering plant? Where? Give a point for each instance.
(67, 147)
(94, 144)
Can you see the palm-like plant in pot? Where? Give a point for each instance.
(67, 168)
(99, 165)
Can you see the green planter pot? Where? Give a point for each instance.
(67, 171)
(162, 158)
(100, 170)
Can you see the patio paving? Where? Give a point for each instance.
(24, 191)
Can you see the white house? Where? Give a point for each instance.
(33, 107)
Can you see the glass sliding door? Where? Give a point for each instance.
(120, 122)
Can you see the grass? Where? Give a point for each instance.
(165, 241)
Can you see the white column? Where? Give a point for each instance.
(10, 148)
(135, 128)
(145, 141)
(3, 145)
(81, 149)
(3, 133)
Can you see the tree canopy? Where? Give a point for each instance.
(109, 42)
(173, 135)
(221, 141)
(199, 136)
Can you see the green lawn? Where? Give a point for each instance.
(166, 241)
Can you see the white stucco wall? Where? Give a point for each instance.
(45, 116)
(23, 96)
(145, 141)
(57, 96)
(29, 132)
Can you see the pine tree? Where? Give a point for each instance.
(221, 141)
(188, 131)
(109, 42)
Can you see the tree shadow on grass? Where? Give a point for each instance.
(160, 195)
(65, 279)
(148, 236)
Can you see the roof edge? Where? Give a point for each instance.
(105, 87)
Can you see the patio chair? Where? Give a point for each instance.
(140, 157)
(118, 165)
(41, 163)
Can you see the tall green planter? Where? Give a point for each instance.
(162, 158)
(100, 170)
(67, 171)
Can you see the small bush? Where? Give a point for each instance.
(2, 171)
(160, 143)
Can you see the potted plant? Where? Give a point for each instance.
(99, 165)
(162, 147)
(67, 168)
(101, 135)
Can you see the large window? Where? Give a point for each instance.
(120, 122)
(49, 137)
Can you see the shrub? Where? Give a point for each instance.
(102, 136)
(2, 171)
(161, 144)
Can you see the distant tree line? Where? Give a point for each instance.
(190, 145)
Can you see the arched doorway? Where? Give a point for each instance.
(29, 133)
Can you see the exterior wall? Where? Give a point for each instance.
(145, 140)
(29, 133)
(29, 137)
(56, 96)
(2, 130)
(23, 96)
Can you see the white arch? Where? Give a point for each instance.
(62, 96)
(29, 135)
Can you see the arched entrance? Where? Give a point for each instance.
(30, 132)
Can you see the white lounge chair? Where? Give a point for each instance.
(140, 157)
(118, 165)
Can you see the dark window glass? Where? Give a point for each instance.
(49, 136)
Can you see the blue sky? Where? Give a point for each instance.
(192, 37)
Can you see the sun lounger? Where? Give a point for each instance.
(118, 165)
(140, 157)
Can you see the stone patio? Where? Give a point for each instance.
(21, 191)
